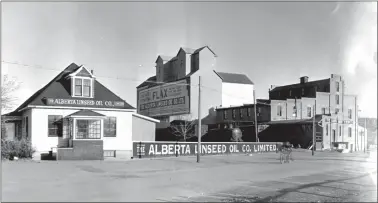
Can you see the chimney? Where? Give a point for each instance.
(92, 72)
(304, 79)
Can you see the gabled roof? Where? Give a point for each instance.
(86, 113)
(164, 58)
(300, 85)
(200, 49)
(57, 88)
(150, 80)
(188, 50)
(234, 78)
(82, 71)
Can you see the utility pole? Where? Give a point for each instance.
(199, 120)
(256, 130)
(313, 131)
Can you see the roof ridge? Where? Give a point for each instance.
(40, 91)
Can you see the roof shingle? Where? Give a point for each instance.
(234, 78)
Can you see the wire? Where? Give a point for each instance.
(117, 78)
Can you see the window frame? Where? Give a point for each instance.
(337, 86)
(323, 110)
(58, 127)
(350, 113)
(349, 131)
(107, 126)
(233, 113)
(241, 113)
(279, 110)
(309, 113)
(99, 137)
(248, 112)
(82, 79)
(337, 99)
(225, 114)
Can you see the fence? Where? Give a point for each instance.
(167, 149)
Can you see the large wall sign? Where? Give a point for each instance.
(167, 99)
(76, 102)
(159, 149)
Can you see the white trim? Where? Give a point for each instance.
(145, 117)
(89, 117)
(77, 108)
(78, 71)
(82, 86)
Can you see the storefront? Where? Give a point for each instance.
(78, 118)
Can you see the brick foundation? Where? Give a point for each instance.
(82, 150)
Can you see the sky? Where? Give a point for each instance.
(273, 43)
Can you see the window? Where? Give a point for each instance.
(349, 132)
(224, 114)
(233, 113)
(110, 127)
(302, 91)
(55, 125)
(26, 126)
(340, 131)
(249, 112)
(350, 113)
(323, 110)
(258, 111)
(294, 111)
(241, 113)
(336, 111)
(83, 87)
(88, 129)
(337, 86)
(337, 99)
(290, 93)
(87, 88)
(279, 110)
(78, 87)
(309, 111)
(326, 129)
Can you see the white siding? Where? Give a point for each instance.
(234, 94)
(43, 143)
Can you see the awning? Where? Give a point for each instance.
(296, 121)
(11, 118)
(86, 113)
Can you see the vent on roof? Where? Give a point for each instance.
(304, 79)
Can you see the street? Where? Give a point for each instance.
(327, 176)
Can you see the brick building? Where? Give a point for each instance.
(334, 109)
(244, 115)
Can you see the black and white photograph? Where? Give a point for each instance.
(188, 101)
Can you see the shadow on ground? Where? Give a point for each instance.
(283, 192)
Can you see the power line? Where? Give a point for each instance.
(108, 77)
(134, 80)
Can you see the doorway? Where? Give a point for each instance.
(333, 136)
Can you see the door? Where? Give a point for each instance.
(333, 136)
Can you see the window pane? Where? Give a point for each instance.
(87, 91)
(110, 126)
(55, 127)
(78, 81)
(78, 90)
(87, 82)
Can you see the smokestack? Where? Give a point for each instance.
(304, 79)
